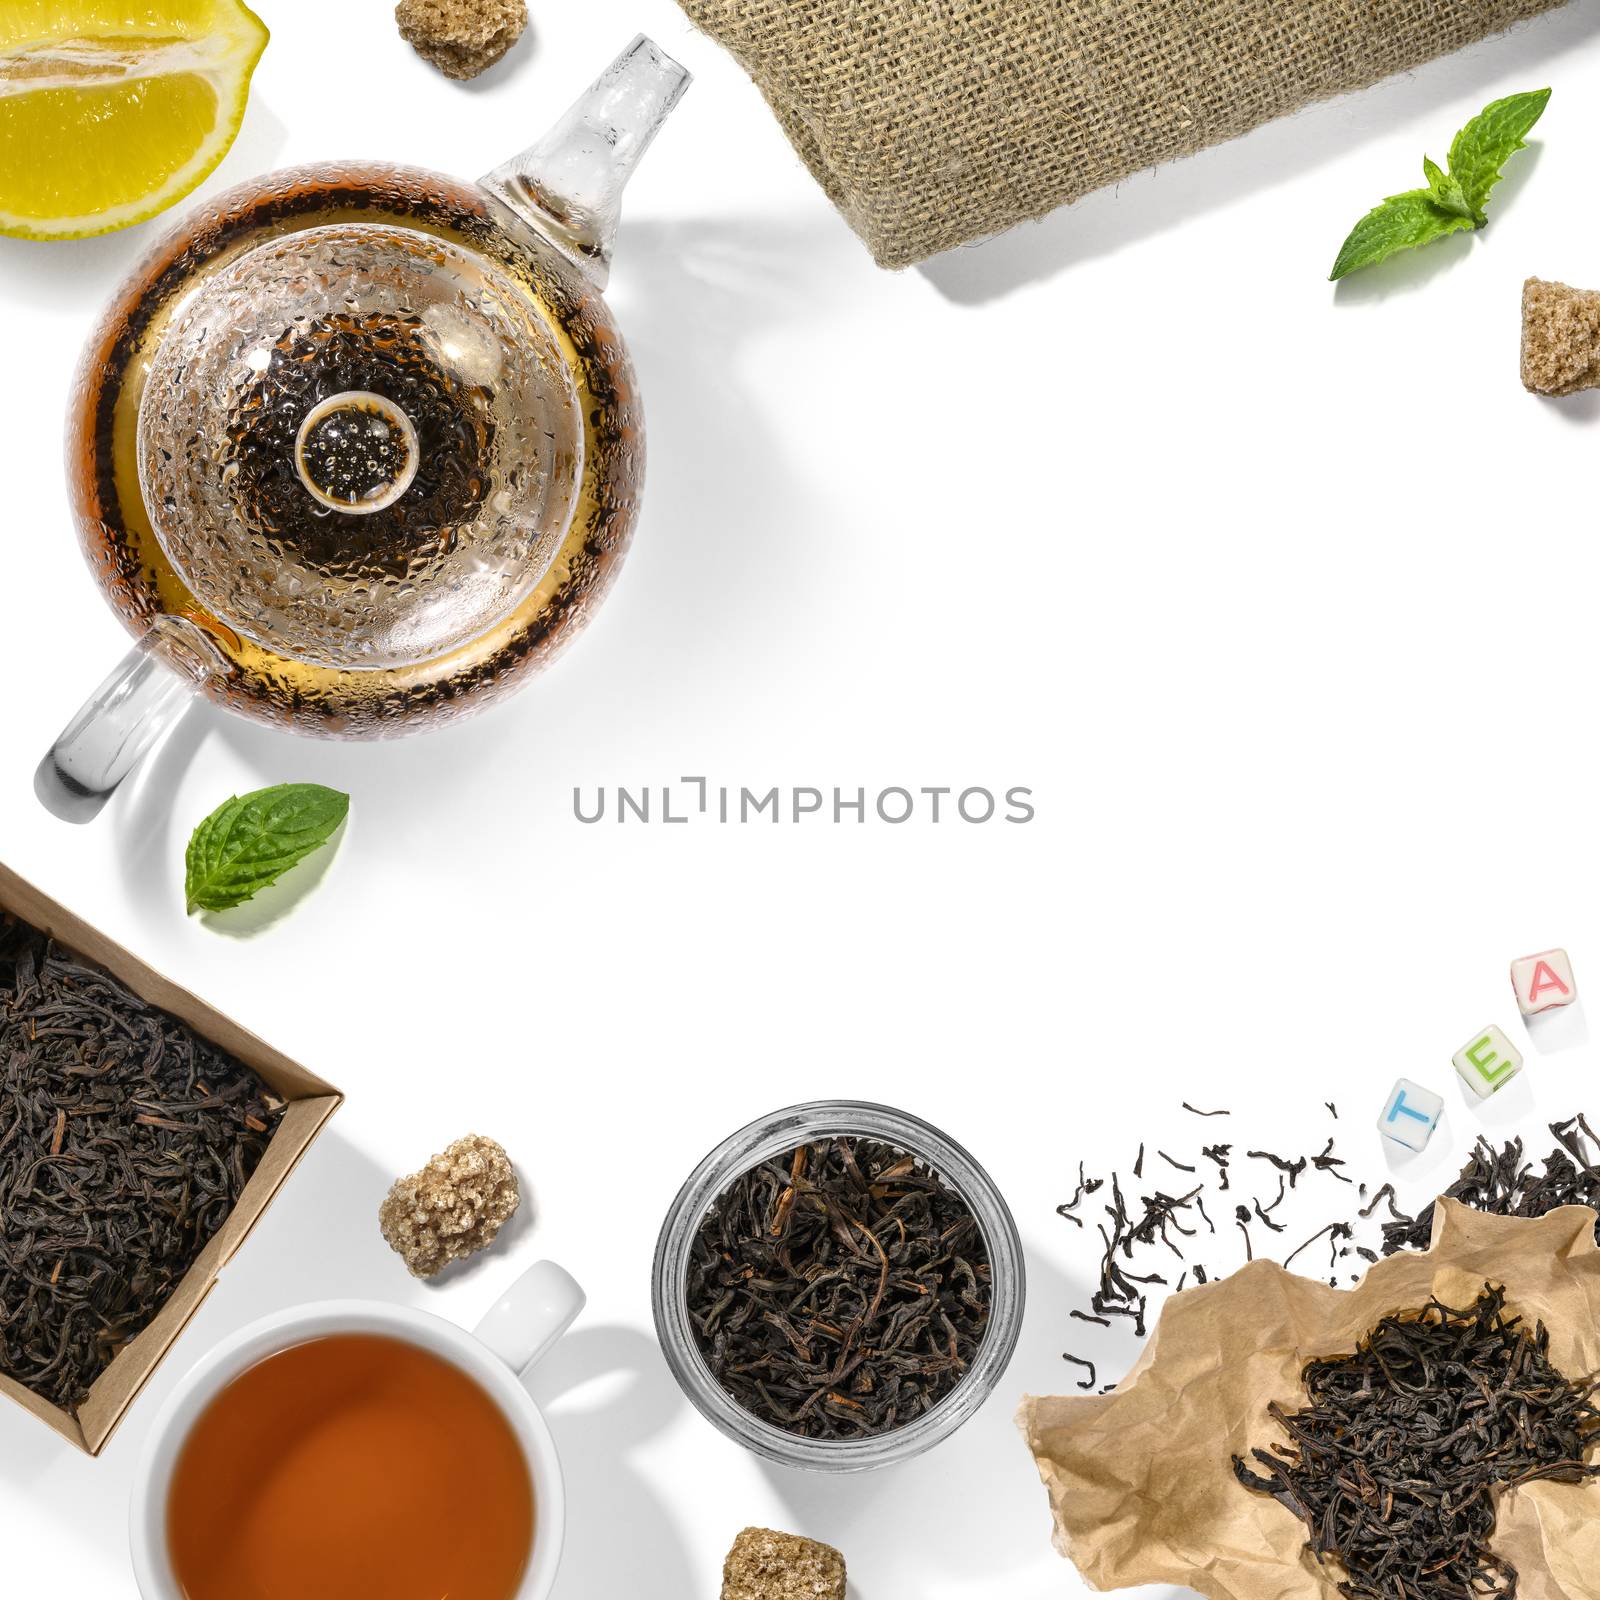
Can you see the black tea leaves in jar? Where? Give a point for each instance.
(840, 1290)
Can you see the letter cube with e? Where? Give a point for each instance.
(1410, 1115)
(1488, 1063)
(1543, 981)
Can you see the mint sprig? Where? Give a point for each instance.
(1453, 201)
(251, 840)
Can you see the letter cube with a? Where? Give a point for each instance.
(1543, 981)
(1488, 1062)
(1410, 1114)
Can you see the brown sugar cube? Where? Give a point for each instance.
(461, 37)
(454, 1206)
(1560, 338)
(764, 1565)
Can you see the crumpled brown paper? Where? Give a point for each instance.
(1141, 1480)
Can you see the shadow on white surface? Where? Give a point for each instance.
(620, 1539)
(1436, 1166)
(319, 1241)
(1561, 1028)
(1504, 1109)
(1580, 408)
(1152, 202)
(1404, 273)
(58, 1492)
(140, 813)
(733, 568)
(79, 273)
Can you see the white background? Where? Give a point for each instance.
(1281, 599)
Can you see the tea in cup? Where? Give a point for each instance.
(359, 1448)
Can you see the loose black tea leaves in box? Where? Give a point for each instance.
(1395, 1464)
(839, 1291)
(125, 1141)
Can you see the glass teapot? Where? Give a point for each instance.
(358, 448)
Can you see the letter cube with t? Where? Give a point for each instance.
(1489, 1062)
(1410, 1115)
(1543, 981)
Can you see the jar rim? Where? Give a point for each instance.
(771, 1135)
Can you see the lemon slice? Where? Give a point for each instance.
(110, 110)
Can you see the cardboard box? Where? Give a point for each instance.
(311, 1103)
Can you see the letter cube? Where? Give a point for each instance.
(1410, 1115)
(1488, 1063)
(1543, 981)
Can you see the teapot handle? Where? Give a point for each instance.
(569, 185)
(112, 733)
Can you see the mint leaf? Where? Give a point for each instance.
(1453, 201)
(1447, 193)
(251, 840)
(1484, 146)
(1402, 222)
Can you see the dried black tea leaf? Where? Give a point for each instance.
(1330, 1163)
(1078, 1361)
(839, 1291)
(1291, 1169)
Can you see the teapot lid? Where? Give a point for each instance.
(359, 445)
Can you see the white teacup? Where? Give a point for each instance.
(528, 1320)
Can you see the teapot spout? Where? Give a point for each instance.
(569, 185)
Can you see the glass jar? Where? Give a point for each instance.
(772, 1136)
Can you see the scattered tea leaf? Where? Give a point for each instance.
(251, 840)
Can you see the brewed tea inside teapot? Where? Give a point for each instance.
(358, 448)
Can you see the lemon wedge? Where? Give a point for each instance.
(110, 110)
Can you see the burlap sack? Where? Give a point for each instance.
(933, 123)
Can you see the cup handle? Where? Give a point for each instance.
(532, 1315)
(112, 733)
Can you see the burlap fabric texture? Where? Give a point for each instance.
(933, 123)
